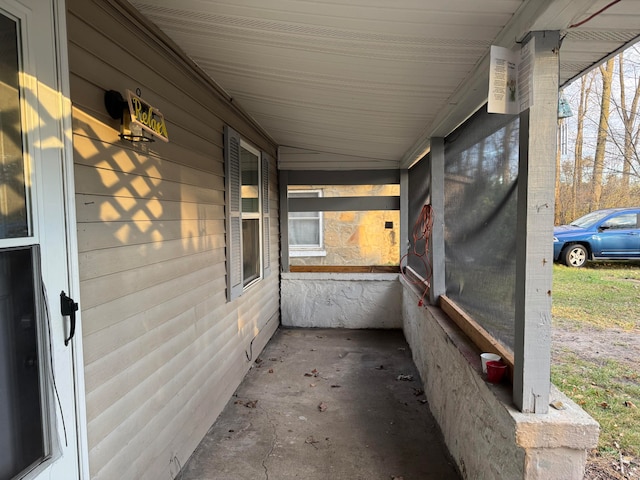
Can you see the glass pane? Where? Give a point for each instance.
(13, 204)
(304, 233)
(21, 436)
(621, 222)
(304, 194)
(250, 177)
(250, 250)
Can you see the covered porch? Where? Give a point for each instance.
(310, 93)
(326, 403)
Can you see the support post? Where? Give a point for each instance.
(534, 254)
(436, 243)
(283, 186)
(404, 212)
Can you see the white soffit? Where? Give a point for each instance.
(362, 85)
(605, 34)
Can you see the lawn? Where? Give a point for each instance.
(592, 301)
(601, 295)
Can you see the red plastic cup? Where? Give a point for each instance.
(495, 371)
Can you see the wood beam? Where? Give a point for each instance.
(343, 204)
(534, 252)
(436, 242)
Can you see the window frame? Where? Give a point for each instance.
(308, 250)
(253, 215)
(234, 216)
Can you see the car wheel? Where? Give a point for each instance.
(575, 255)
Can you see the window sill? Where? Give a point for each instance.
(307, 253)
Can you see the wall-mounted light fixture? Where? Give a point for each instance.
(137, 117)
(118, 108)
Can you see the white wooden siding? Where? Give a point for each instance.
(163, 350)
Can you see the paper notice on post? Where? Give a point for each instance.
(510, 77)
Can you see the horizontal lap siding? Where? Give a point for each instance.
(163, 350)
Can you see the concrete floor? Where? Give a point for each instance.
(326, 404)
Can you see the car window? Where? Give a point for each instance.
(590, 219)
(621, 222)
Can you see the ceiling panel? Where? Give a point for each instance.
(368, 80)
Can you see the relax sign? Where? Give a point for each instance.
(149, 118)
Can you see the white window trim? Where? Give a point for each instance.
(310, 250)
(254, 215)
(233, 145)
(307, 253)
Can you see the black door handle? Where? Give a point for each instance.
(68, 308)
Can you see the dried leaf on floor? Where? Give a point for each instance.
(313, 373)
(418, 391)
(271, 370)
(629, 404)
(604, 405)
(251, 404)
(336, 386)
(311, 441)
(312, 385)
(238, 402)
(322, 407)
(405, 378)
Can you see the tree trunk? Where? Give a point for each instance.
(630, 129)
(559, 211)
(603, 130)
(586, 82)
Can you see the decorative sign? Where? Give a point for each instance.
(510, 77)
(149, 118)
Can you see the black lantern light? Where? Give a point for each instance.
(118, 108)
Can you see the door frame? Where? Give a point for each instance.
(50, 15)
(59, 12)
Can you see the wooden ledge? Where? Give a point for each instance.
(476, 333)
(345, 269)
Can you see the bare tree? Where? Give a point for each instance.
(606, 71)
(631, 129)
(586, 83)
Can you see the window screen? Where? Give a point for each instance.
(419, 195)
(481, 171)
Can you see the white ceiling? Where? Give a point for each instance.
(366, 84)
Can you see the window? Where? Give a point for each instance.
(621, 222)
(247, 207)
(305, 228)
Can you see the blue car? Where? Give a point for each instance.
(612, 234)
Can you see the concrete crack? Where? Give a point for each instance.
(273, 443)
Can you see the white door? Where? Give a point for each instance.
(38, 433)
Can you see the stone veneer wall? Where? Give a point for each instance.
(487, 437)
(356, 238)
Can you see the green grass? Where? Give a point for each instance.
(602, 296)
(602, 390)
